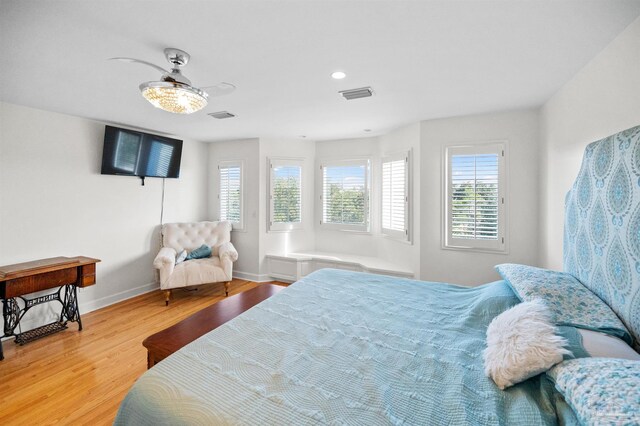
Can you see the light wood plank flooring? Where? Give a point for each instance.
(81, 377)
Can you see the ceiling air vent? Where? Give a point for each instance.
(363, 92)
(221, 114)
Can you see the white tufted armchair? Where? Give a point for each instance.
(189, 236)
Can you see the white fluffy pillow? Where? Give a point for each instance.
(522, 343)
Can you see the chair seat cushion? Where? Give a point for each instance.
(195, 272)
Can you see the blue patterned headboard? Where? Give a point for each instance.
(602, 225)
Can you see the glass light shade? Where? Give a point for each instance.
(174, 97)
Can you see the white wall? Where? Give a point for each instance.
(339, 241)
(374, 244)
(298, 239)
(520, 129)
(602, 99)
(254, 241)
(246, 240)
(55, 202)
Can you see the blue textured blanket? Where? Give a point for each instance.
(343, 347)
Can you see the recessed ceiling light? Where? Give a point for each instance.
(338, 75)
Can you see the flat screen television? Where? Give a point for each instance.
(132, 153)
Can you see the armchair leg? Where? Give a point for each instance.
(226, 288)
(167, 296)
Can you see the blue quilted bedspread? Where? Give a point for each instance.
(343, 347)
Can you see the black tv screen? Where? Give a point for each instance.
(132, 153)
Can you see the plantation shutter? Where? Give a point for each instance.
(285, 207)
(395, 195)
(475, 197)
(230, 192)
(344, 195)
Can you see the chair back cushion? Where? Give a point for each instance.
(189, 236)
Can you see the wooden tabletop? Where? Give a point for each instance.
(169, 340)
(40, 266)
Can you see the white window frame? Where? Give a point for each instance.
(236, 226)
(365, 228)
(404, 235)
(282, 226)
(493, 246)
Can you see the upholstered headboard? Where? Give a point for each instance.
(602, 225)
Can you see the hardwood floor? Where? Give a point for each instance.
(81, 377)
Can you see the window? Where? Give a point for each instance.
(127, 151)
(160, 156)
(285, 194)
(395, 196)
(345, 195)
(475, 199)
(230, 192)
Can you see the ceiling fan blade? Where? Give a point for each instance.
(219, 89)
(162, 70)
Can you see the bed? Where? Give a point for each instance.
(340, 347)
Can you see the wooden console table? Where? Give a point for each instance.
(164, 343)
(17, 280)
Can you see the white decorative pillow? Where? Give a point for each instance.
(181, 257)
(522, 343)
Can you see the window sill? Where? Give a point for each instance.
(346, 231)
(280, 231)
(475, 249)
(370, 233)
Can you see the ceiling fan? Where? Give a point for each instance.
(174, 92)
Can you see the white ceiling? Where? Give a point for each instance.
(424, 59)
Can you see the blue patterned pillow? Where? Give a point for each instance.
(572, 303)
(603, 391)
(201, 252)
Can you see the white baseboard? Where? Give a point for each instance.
(251, 277)
(103, 302)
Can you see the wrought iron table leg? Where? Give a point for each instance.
(11, 316)
(70, 305)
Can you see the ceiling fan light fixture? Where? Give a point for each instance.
(174, 97)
